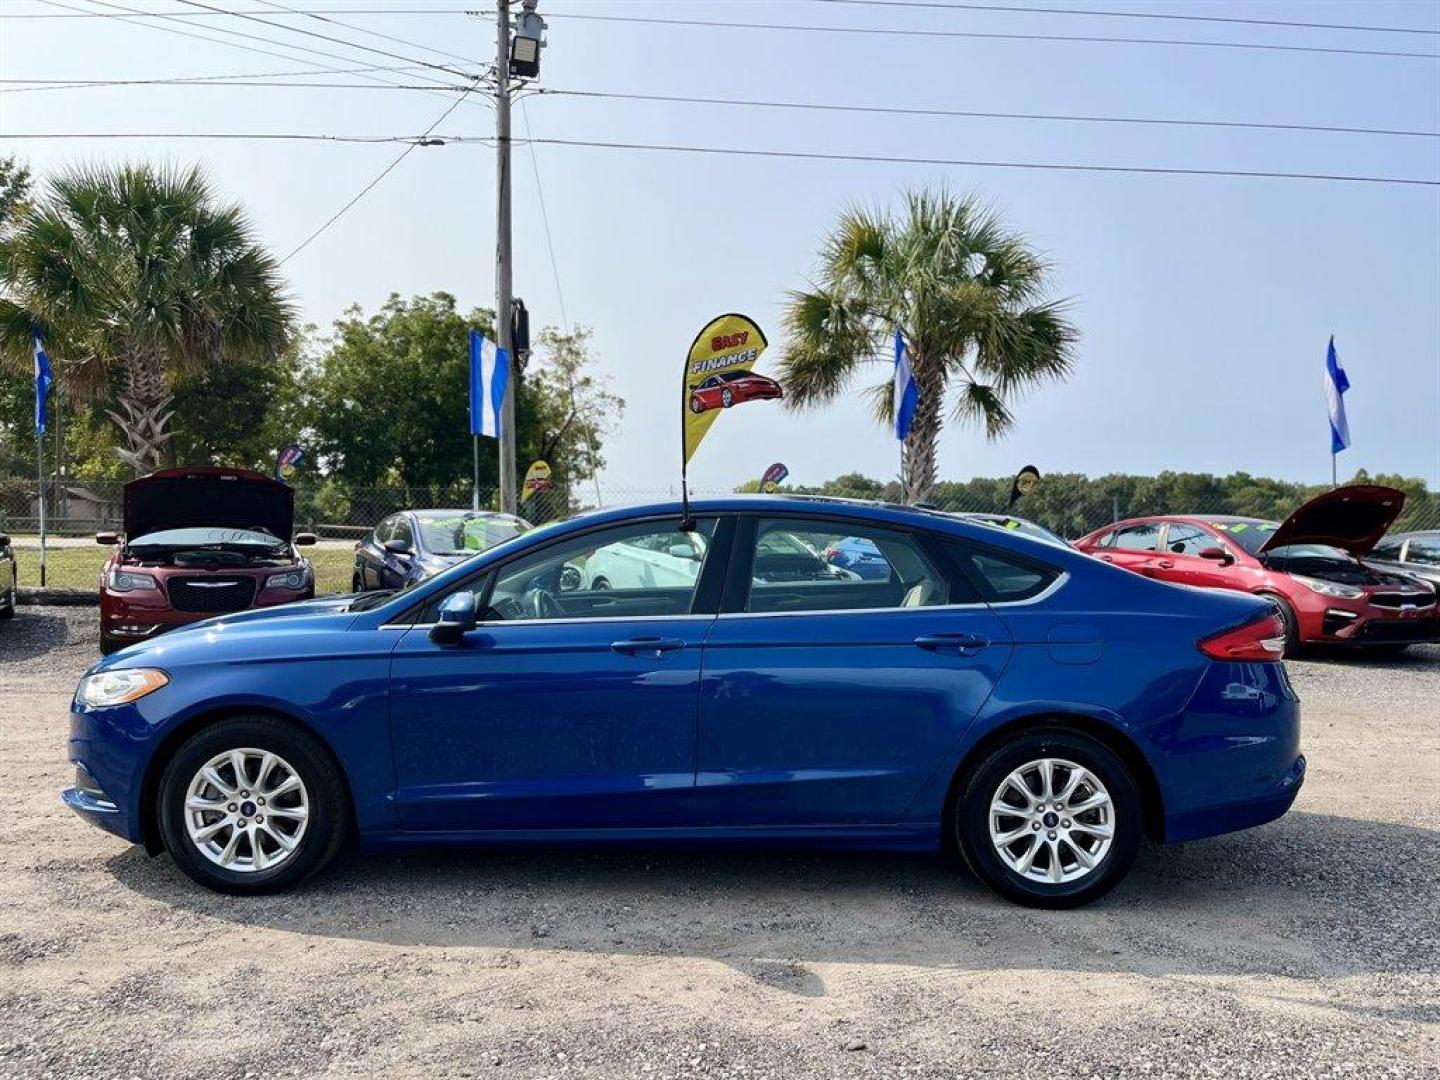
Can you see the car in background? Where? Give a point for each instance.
(662, 560)
(1016, 525)
(1015, 701)
(1414, 553)
(1312, 566)
(9, 579)
(859, 556)
(416, 544)
(727, 388)
(199, 542)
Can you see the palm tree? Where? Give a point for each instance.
(966, 295)
(137, 276)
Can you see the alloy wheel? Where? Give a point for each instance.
(246, 810)
(1052, 821)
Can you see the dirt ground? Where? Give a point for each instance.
(1309, 947)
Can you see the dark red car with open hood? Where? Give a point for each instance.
(199, 542)
(1312, 565)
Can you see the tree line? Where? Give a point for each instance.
(1073, 504)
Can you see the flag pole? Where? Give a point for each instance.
(40, 484)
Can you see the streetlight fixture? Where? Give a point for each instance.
(529, 39)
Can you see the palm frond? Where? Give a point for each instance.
(826, 339)
(978, 402)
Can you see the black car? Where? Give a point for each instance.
(1413, 553)
(416, 544)
(9, 579)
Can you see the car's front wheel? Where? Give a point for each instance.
(1051, 819)
(251, 804)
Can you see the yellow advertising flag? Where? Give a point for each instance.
(537, 478)
(718, 375)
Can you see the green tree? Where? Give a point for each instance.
(138, 278)
(386, 402)
(965, 293)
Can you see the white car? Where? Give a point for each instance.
(653, 561)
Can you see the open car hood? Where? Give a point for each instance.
(208, 498)
(1352, 519)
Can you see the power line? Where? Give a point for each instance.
(986, 36)
(426, 139)
(381, 176)
(325, 18)
(326, 37)
(970, 114)
(94, 84)
(942, 6)
(136, 16)
(544, 216)
(1057, 166)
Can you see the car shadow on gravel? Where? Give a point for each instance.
(1415, 658)
(1310, 896)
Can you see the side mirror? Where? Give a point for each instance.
(397, 547)
(1220, 555)
(305, 539)
(108, 538)
(456, 619)
(682, 551)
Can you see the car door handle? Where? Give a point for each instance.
(962, 644)
(647, 646)
(1165, 564)
(1107, 558)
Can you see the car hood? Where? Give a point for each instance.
(208, 498)
(1352, 519)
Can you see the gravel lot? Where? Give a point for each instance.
(1309, 947)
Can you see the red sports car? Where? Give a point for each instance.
(1311, 565)
(727, 388)
(199, 542)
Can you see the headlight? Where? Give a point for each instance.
(1330, 588)
(291, 579)
(127, 581)
(119, 686)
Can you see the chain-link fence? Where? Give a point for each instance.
(1070, 505)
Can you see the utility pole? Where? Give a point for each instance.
(503, 264)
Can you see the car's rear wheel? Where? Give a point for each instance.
(1051, 819)
(696, 405)
(251, 804)
(600, 584)
(1292, 623)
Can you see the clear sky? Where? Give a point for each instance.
(1204, 304)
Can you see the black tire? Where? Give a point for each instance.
(697, 406)
(600, 584)
(971, 822)
(356, 585)
(325, 827)
(1292, 624)
(108, 644)
(11, 601)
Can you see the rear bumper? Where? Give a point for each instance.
(1216, 820)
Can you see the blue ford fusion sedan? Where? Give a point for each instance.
(1018, 702)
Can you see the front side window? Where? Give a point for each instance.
(789, 572)
(1188, 540)
(629, 571)
(1138, 538)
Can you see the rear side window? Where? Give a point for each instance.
(1003, 578)
(1138, 538)
(813, 564)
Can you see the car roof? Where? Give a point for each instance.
(1413, 534)
(461, 513)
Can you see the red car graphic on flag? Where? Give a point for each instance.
(727, 388)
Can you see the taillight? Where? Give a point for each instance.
(1262, 639)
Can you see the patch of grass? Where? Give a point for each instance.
(79, 567)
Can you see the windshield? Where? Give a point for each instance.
(1250, 534)
(208, 537)
(466, 533)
